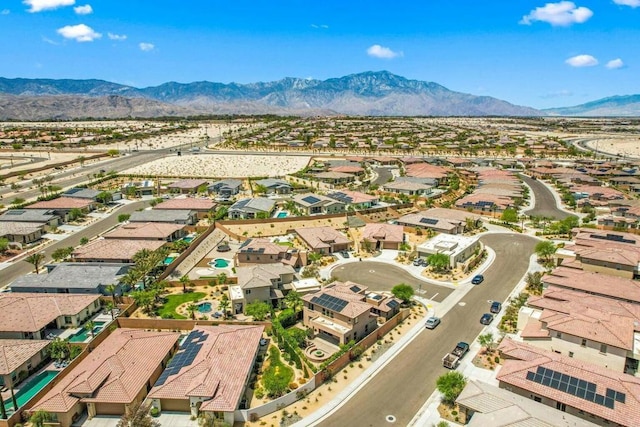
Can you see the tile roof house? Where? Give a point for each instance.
(82, 193)
(21, 232)
(201, 205)
(74, 278)
(590, 282)
(484, 202)
(18, 356)
(118, 372)
(274, 186)
(323, 240)
(450, 221)
(260, 282)
(263, 251)
(383, 236)
(338, 313)
(226, 187)
(187, 186)
(174, 216)
(39, 216)
(113, 250)
(210, 371)
(409, 188)
(592, 328)
(316, 204)
(61, 206)
(354, 199)
(251, 208)
(482, 404)
(163, 231)
(334, 177)
(27, 315)
(581, 389)
(426, 170)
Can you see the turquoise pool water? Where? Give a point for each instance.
(168, 260)
(81, 336)
(282, 215)
(28, 390)
(188, 239)
(219, 263)
(204, 307)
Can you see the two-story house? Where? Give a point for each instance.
(261, 282)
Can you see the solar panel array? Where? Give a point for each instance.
(311, 200)
(330, 302)
(338, 195)
(15, 212)
(185, 355)
(355, 289)
(430, 221)
(575, 386)
(393, 303)
(613, 238)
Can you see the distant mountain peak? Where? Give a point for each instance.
(612, 106)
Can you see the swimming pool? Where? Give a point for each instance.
(219, 263)
(168, 260)
(28, 390)
(204, 307)
(188, 239)
(282, 214)
(81, 336)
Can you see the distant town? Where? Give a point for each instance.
(288, 271)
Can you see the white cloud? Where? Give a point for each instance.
(83, 10)
(557, 94)
(118, 37)
(630, 3)
(378, 51)
(5, 12)
(614, 64)
(321, 26)
(40, 5)
(582, 61)
(48, 40)
(146, 47)
(563, 13)
(79, 33)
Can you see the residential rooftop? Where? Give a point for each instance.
(593, 283)
(383, 232)
(62, 203)
(161, 215)
(321, 237)
(187, 203)
(258, 276)
(115, 249)
(144, 230)
(74, 275)
(14, 353)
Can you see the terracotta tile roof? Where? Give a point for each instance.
(383, 232)
(596, 318)
(533, 329)
(14, 353)
(347, 169)
(118, 249)
(262, 246)
(595, 283)
(27, 312)
(522, 358)
(188, 184)
(426, 170)
(321, 237)
(19, 228)
(355, 305)
(261, 275)
(114, 372)
(219, 370)
(62, 203)
(190, 203)
(142, 230)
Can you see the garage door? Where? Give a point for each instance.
(178, 405)
(109, 408)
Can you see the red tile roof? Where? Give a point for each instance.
(115, 249)
(373, 232)
(62, 203)
(594, 283)
(219, 370)
(14, 353)
(114, 372)
(144, 230)
(190, 203)
(522, 358)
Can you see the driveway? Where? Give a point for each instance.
(380, 276)
(402, 386)
(546, 204)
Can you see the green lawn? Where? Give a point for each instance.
(277, 375)
(285, 243)
(173, 301)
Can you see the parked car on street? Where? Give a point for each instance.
(486, 319)
(496, 307)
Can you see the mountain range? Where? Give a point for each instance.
(370, 93)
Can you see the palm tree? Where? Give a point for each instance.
(111, 290)
(35, 259)
(184, 280)
(223, 305)
(89, 327)
(110, 307)
(293, 300)
(191, 309)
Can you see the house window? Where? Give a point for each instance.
(67, 319)
(310, 306)
(355, 320)
(561, 406)
(571, 354)
(603, 348)
(558, 334)
(537, 398)
(247, 291)
(96, 304)
(584, 342)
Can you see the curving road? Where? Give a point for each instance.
(546, 205)
(406, 382)
(380, 276)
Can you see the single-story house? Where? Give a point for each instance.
(335, 177)
(354, 199)
(20, 358)
(74, 278)
(140, 188)
(21, 232)
(187, 186)
(39, 216)
(175, 216)
(201, 205)
(226, 187)
(28, 315)
(61, 206)
(450, 221)
(323, 240)
(251, 208)
(316, 204)
(165, 231)
(113, 250)
(119, 372)
(210, 371)
(383, 236)
(274, 186)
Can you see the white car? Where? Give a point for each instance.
(432, 322)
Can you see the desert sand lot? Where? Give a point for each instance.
(628, 146)
(222, 165)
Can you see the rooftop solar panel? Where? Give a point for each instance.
(185, 355)
(311, 199)
(430, 221)
(330, 302)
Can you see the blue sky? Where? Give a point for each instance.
(535, 53)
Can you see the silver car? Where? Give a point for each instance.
(432, 322)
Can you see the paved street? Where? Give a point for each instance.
(401, 387)
(20, 268)
(545, 200)
(380, 276)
